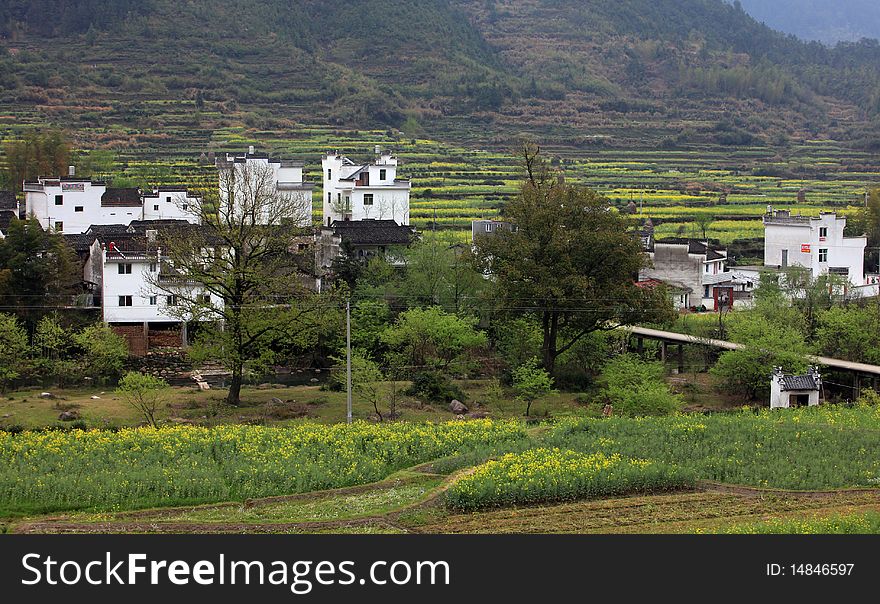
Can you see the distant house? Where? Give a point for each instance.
(356, 191)
(794, 390)
(481, 228)
(815, 243)
(70, 205)
(121, 266)
(694, 265)
(366, 239)
(290, 188)
(679, 294)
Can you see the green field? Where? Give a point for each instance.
(812, 470)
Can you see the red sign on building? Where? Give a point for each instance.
(805, 248)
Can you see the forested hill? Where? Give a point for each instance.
(618, 71)
(828, 21)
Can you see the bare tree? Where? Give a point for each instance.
(240, 273)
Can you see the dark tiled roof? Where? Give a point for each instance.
(695, 246)
(80, 242)
(143, 225)
(8, 201)
(373, 232)
(107, 229)
(124, 198)
(799, 382)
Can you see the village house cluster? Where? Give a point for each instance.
(117, 233)
(365, 211)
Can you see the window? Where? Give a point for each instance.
(707, 268)
(784, 258)
(59, 226)
(329, 198)
(823, 233)
(368, 199)
(59, 200)
(152, 267)
(382, 174)
(171, 300)
(705, 291)
(154, 300)
(167, 200)
(185, 206)
(205, 298)
(155, 208)
(124, 300)
(124, 269)
(823, 254)
(329, 174)
(488, 228)
(77, 208)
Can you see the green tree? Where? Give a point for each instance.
(36, 154)
(14, 349)
(571, 262)
(143, 393)
(768, 345)
(851, 333)
(431, 337)
(636, 388)
(104, 351)
(38, 271)
(531, 382)
(237, 274)
(440, 271)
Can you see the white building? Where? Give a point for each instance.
(700, 271)
(126, 265)
(355, 191)
(249, 174)
(794, 390)
(70, 205)
(815, 243)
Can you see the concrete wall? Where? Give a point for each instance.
(672, 262)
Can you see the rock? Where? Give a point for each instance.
(477, 415)
(264, 386)
(276, 401)
(7, 415)
(314, 380)
(95, 397)
(457, 407)
(47, 395)
(68, 416)
(204, 386)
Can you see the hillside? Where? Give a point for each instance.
(828, 22)
(577, 72)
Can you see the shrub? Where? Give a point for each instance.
(13, 349)
(105, 351)
(637, 388)
(550, 475)
(435, 387)
(144, 393)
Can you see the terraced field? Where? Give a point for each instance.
(454, 184)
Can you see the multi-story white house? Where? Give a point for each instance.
(133, 282)
(272, 184)
(354, 191)
(816, 243)
(694, 267)
(70, 205)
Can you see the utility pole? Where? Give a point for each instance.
(348, 358)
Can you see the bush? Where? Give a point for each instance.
(144, 393)
(435, 387)
(105, 351)
(637, 388)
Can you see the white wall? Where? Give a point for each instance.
(170, 205)
(137, 284)
(391, 197)
(803, 241)
(42, 205)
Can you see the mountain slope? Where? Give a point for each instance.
(619, 72)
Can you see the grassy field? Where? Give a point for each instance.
(741, 462)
